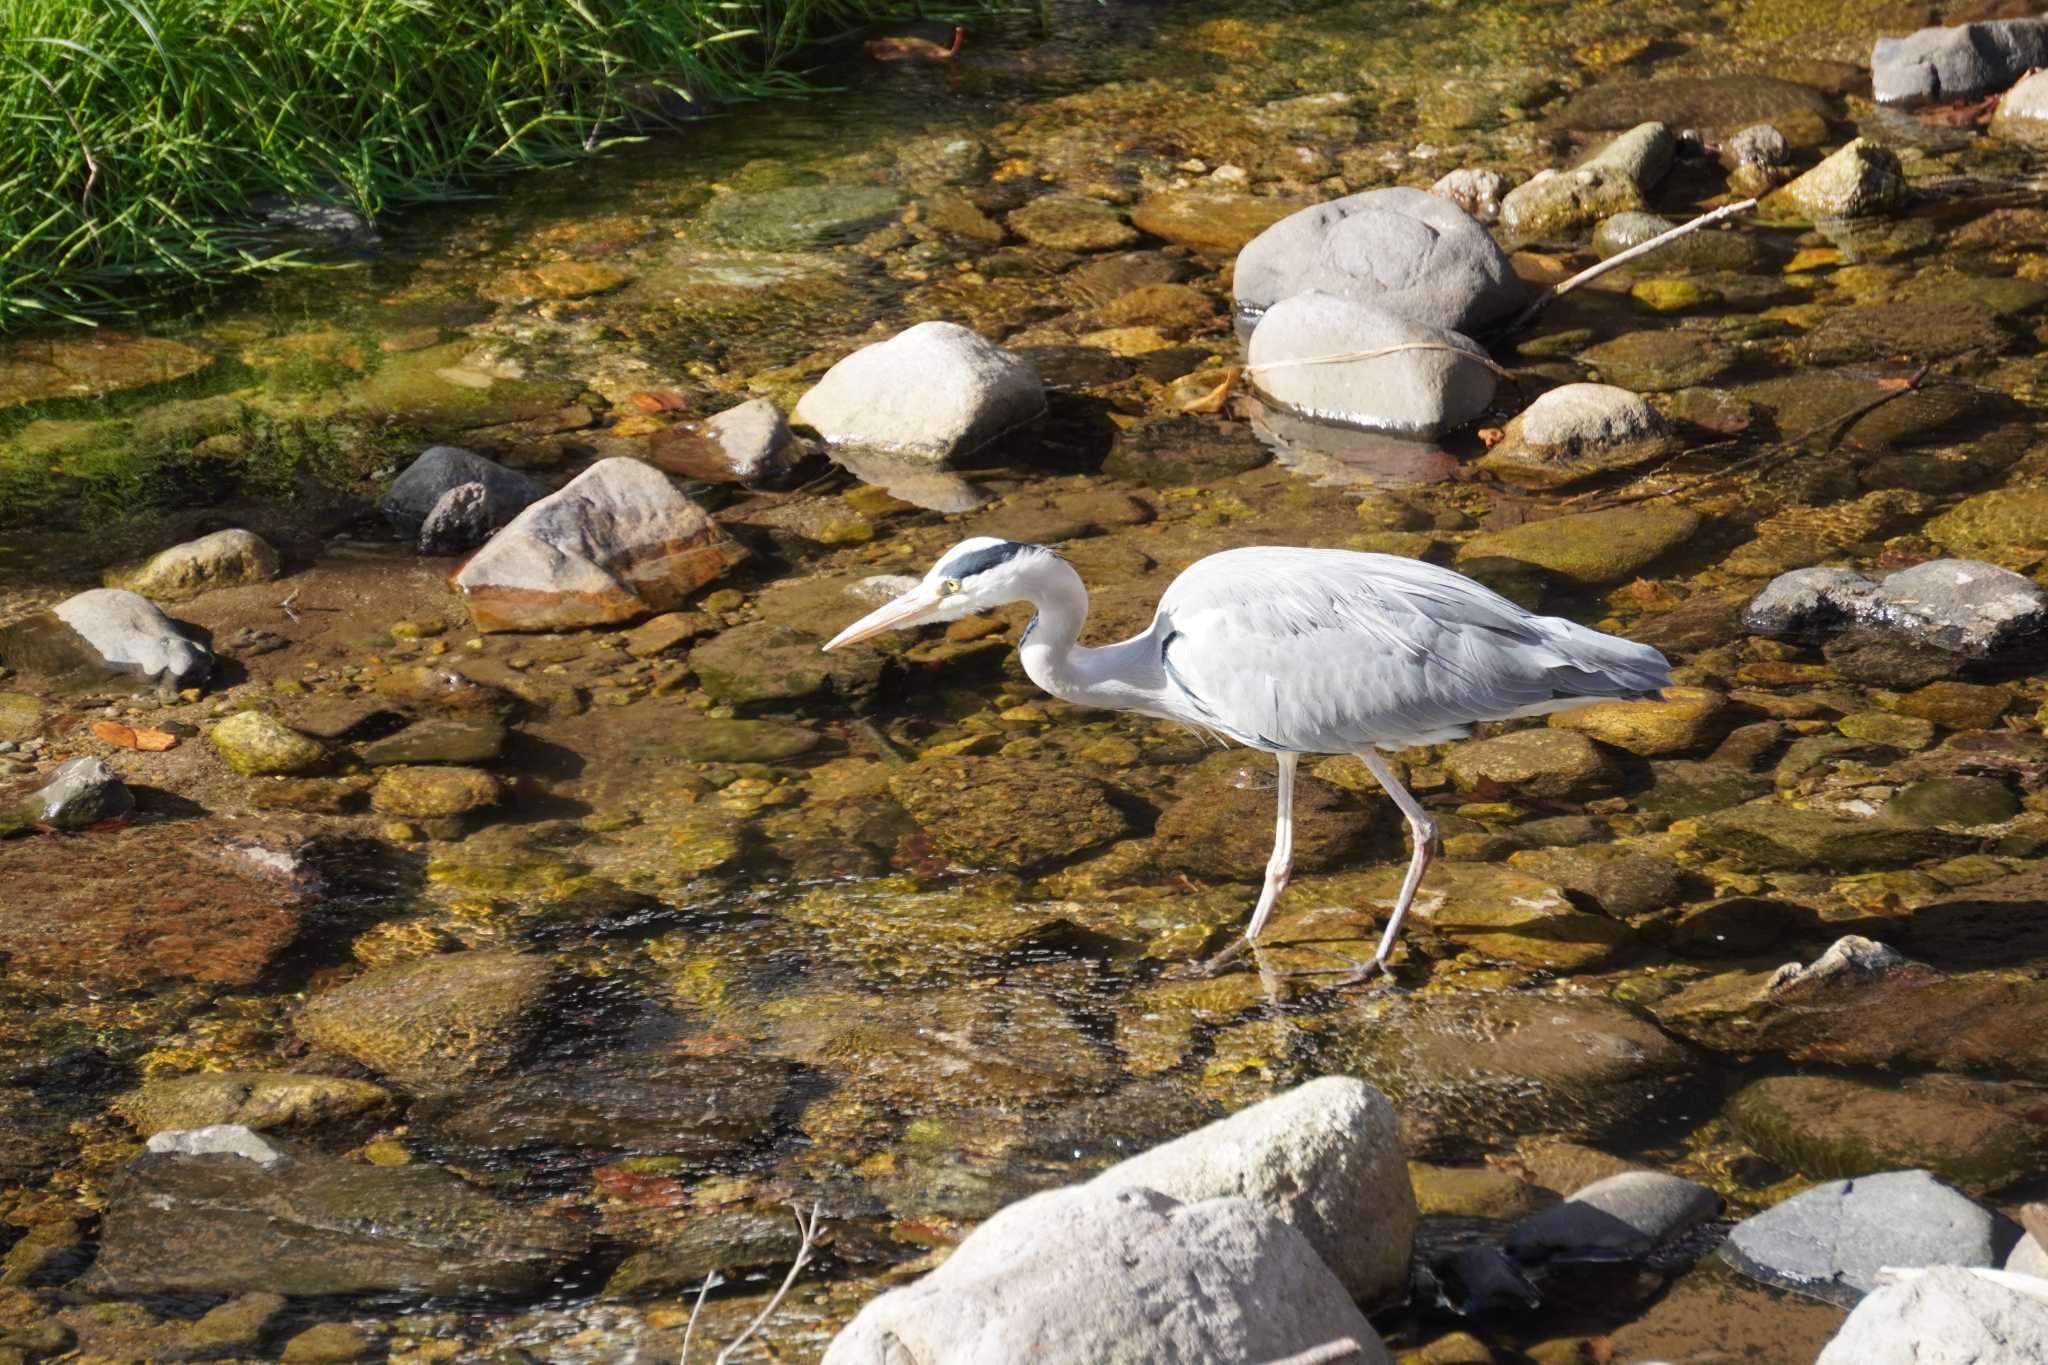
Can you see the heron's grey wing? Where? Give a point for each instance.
(1327, 651)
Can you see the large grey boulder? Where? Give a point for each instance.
(1115, 1276)
(441, 468)
(1414, 254)
(106, 633)
(1617, 1218)
(933, 393)
(224, 559)
(1964, 606)
(1325, 1157)
(1442, 380)
(618, 542)
(1831, 1241)
(82, 792)
(1944, 1313)
(1956, 63)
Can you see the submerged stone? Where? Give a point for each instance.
(1660, 361)
(1006, 812)
(798, 218)
(762, 666)
(81, 793)
(1213, 222)
(433, 1022)
(1772, 835)
(440, 470)
(1175, 452)
(224, 559)
(257, 1100)
(1072, 222)
(1833, 1127)
(1589, 548)
(1708, 103)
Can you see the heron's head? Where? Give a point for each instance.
(974, 575)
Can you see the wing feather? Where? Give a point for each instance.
(1327, 651)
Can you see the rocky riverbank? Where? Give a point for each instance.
(449, 906)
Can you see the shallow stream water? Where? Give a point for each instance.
(906, 938)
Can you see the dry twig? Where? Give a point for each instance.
(809, 1232)
(1559, 290)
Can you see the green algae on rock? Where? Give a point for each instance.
(1863, 179)
(1835, 1128)
(258, 1100)
(1772, 835)
(224, 559)
(1589, 548)
(434, 1022)
(258, 744)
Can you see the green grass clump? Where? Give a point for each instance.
(143, 137)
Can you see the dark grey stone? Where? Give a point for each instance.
(1964, 606)
(1830, 1242)
(82, 792)
(460, 520)
(1614, 1219)
(1962, 62)
(414, 493)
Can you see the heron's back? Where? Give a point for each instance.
(1328, 651)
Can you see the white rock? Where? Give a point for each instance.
(618, 542)
(1946, 1315)
(131, 636)
(2022, 113)
(1325, 1158)
(1413, 253)
(1421, 391)
(931, 393)
(220, 1139)
(1107, 1275)
(2028, 1257)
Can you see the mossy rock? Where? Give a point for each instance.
(1774, 836)
(1588, 548)
(435, 388)
(798, 217)
(1832, 1128)
(435, 1021)
(258, 744)
(254, 1099)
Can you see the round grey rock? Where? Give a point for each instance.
(461, 520)
(1578, 431)
(1415, 254)
(931, 393)
(1830, 1242)
(1617, 1218)
(1115, 1276)
(1325, 1158)
(1442, 382)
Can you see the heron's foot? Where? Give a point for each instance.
(1215, 965)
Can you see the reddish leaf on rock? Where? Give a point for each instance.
(657, 400)
(640, 1187)
(128, 737)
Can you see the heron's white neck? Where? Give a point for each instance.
(1121, 677)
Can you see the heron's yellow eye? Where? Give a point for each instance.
(950, 586)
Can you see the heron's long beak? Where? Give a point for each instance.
(906, 610)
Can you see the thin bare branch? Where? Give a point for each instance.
(1558, 291)
(809, 1233)
(1343, 1348)
(690, 1329)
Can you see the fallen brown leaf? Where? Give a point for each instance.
(128, 737)
(1492, 436)
(657, 400)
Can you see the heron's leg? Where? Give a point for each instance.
(1282, 862)
(1427, 845)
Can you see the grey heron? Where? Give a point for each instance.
(1295, 651)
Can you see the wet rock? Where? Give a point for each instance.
(1772, 835)
(1679, 718)
(1324, 1158)
(311, 1224)
(763, 665)
(750, 443)
(1506, 915)
(1619, 1218)
(704, 739)
(800, 217)
(433, 1022)
(1962, 801)
(106, 633)
(1533, 762)
(731, 1242)
(1937, 64)
(1216, 223)
(225, 559)
(2005, 525)
(1861, 180)
(1407, 252)
(625, 1104)
(81, 793)
(434, 793)
(460, 521)
(1576, 432)
(251, 1099)
(665, 632)
(1589, 548)
(1220, 827)
(1005, 812)
(439, 471)
(439, 739)
(1619, 883)
(1464, 1069)
(1416, 392)
(258, 744)
(1833, 1127)
(1944, 1312)
(22, 717)
(1176, 452)
(75, 366)
(144, 905)
(1174, 308)
(1957, 705)
(615, 544)
(1659, 361)
(1757, 145)
(1078, 1274)
(1990, 924)
(1830, 1241)
(1960, 605)
(329, 1343)
(1709, 103)
(1472, 1192)
(1476, 191)
(1612, 180)
(1072, 222)
(2022, 113)
(968, 391)
(1922, 330)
